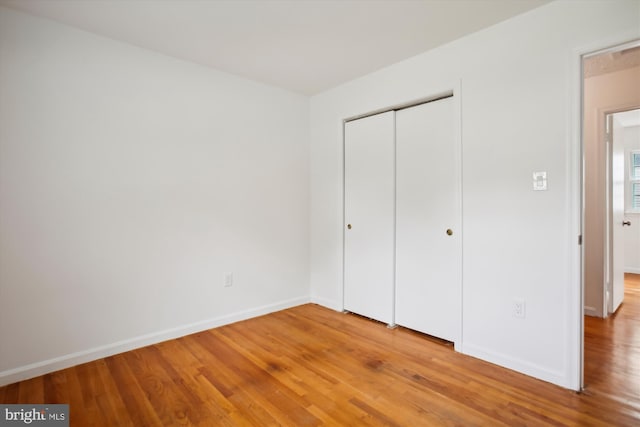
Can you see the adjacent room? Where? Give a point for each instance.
(322, 212)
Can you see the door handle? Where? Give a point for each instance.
(349, 226)
(626, 223)
(449, 232)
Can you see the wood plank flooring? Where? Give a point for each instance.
(310, 366)
(612, 350)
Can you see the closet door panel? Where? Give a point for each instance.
(428, 239)
(370, 216)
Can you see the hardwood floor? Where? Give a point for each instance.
(310, 366)
(612, 350)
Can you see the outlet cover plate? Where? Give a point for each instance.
(519, 308)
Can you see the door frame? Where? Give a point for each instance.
(576, 159)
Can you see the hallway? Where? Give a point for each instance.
(612, 350)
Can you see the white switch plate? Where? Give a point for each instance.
(539, 181)
(228, 279)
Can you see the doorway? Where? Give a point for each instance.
(622, 238)
(609, 87)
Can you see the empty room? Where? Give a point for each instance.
(321, 212)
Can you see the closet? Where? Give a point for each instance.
(403, 246)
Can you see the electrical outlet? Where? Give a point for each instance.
(519, 308)
(228, 279)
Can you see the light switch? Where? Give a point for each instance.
(228, 279)
(539, 181)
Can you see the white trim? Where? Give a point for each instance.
(403, 105)
(328, 303)
(395, 220)
(590, 311)
(522, 366)
(615, 48)
(632, 270)
(575, 205)
(457, 124)
(343, 222)
(66, 361)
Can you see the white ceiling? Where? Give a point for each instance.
(304, 46)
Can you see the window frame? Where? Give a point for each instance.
(633, 180)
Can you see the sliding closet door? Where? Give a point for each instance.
(369, 216)
(429, 251)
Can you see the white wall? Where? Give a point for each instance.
(631, 234)
(129, 183)
(602, 94)
(518, 84)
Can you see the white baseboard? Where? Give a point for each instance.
(518, 365)
(325, 302)
(633, 270)
(51, 365)
(591, 311)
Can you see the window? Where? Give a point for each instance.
(634, 181)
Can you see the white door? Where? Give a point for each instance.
(369, 216)
(428, 226)
(617, 214)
